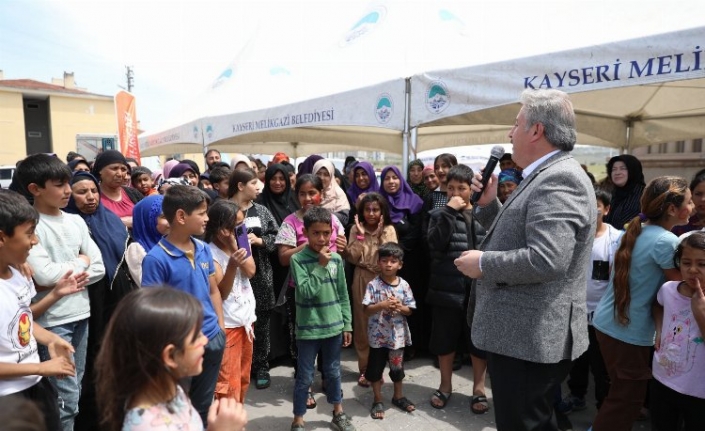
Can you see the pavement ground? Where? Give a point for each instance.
(271, 408)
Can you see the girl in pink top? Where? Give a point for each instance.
(678, 387)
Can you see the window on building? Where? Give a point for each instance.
(697, 145)
(680, 146)
(663, 148)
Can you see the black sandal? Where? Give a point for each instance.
(376, 409)
(481, 400)
(311, 405)
(403, 403)
(443, 398)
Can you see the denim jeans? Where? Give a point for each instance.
(69, 388)
(201, 388)
(330, 352)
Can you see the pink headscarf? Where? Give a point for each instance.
(168, 166)
(334, 198)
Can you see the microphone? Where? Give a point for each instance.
(496, 154)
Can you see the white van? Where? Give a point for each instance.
(6, 173)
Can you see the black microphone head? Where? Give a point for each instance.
(497, 152)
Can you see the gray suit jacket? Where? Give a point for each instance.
(530, 302)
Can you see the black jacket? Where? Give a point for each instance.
(450, 233)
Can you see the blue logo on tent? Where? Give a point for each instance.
(384, 108)
(279, 70)
(446, 15)
(364, 25)
(227, 73)
(370, 18)
(209, 131)
(196, 133)
(437, 97)
(450, 19)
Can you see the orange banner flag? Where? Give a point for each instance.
(126, 114)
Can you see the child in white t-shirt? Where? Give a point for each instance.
(234, 266)
(21, 371)
(678, 386)
(387, 301)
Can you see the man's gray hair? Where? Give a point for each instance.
(554, 110)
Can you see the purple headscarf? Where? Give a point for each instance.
(354, 191)
(179, 170)
(306, 166)
(404, 201)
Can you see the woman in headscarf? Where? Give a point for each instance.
(405, 211)
(306, 167)
(404, 207)
(334, 198)
(279, 199)
(241, 161)
(185, 171)
(194, 166)
(148, 228)
(110, 234)
(277, 195)
(111, 169)
(364, 181)
(415, 178)
(79, 165)
(628, 179)
(168, 166)
(508, 181)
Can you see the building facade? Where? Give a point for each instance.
(680, 158)
(38, 117)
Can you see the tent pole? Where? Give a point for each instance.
(414, 141)
(630, 125)
(405, 134)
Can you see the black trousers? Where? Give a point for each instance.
(523, 392)
(673, 411)
(590, 361)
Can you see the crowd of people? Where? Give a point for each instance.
(140, 300)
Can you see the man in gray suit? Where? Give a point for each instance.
(531, 269)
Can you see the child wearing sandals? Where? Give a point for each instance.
(373, 227)
(388, 300)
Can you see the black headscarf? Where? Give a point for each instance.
(420, 189)
(280, 205)
(626, 200)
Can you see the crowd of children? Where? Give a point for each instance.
(349, 260)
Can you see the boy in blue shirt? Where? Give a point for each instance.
(181, 261)
(323, 316)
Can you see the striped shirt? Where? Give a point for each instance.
(322, 303)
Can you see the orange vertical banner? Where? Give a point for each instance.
(127, 125)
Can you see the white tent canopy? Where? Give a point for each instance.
(626, 94)
(347, 90)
